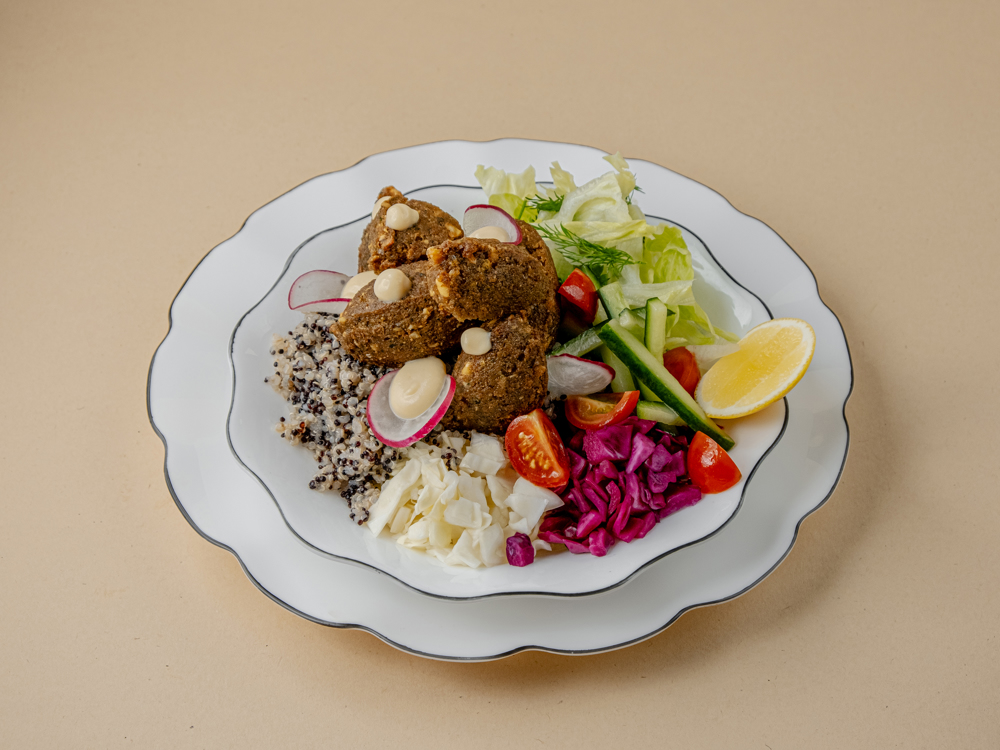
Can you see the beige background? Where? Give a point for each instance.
(136, 136)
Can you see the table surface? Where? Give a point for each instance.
(136, 136)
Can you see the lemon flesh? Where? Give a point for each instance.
(772, 358)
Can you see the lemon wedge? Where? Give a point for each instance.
(772, 358)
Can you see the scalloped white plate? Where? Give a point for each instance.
(191, 388)
(321, 520)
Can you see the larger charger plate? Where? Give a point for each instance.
(191, 389)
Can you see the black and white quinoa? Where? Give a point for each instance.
(328, 393)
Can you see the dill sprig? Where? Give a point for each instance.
(541, 203)
(581, 252)
(636, 189)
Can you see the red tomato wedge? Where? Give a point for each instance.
(536, 451)
(579, 291)
(600, 409)
(709, 466)
(680, 363)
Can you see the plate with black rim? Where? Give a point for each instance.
(801, 442)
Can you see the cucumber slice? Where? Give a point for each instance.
(622, 381)
(590, 275)
(580, 345)
(658, 412)
(647, 394)
(656, 327)
(650, 371)
(613, 299)
(632, 323)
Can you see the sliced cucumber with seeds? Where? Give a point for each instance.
(579, 345)
(622, 381)
(613, 298)
(658, 412)
(651, 372)
(656, 327)
(632, 323)
(647, 394)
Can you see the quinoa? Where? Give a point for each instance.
(327, 391)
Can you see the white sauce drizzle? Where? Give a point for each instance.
(392, 285)
(476, 341)
(491, 233)
(356, 283)
(400, 216)
(378, 205)
(416, 386)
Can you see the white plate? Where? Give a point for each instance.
(321, 519)
(190, 389)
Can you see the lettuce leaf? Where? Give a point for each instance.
(509, 191)
(597, 200)
(495, 181)
(626, 180)
(610, 233)
(666, 259)
(600, 211)
(564, 182)
(666, 256)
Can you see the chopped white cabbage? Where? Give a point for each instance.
(523, 487)
(464, 513)
(391, 496)
(464, 552)
(529, 507)
(474, 463)
(489, 447)
(492, 549)
(400, 521)
(500, 487)
(473, 488)
(460, 517)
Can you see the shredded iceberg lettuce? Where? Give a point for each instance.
(602, 212)
(509, 191)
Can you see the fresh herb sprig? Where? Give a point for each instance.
(581, 252)
(541, 203)
(532, 206)
(636, 189)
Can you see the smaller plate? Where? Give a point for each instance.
(321, 519)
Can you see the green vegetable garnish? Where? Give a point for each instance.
(540, 203)
(581, 252)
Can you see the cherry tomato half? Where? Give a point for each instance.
(579, 291)
(709, 466)
(600, 410)
(536, 451)
(680, 363)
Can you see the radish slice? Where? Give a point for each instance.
(477, 217)
(397, 432)
(319, 292)
(572, 376)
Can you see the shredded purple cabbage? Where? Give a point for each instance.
(519, 550)
(625, 478)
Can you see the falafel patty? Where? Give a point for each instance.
(391, 333)
(511, 379)
(535, 245)
(382, 247)
(479, 279)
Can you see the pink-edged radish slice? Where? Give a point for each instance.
(318, 292)
(397, 432)
(572, 376)
(480, 217)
